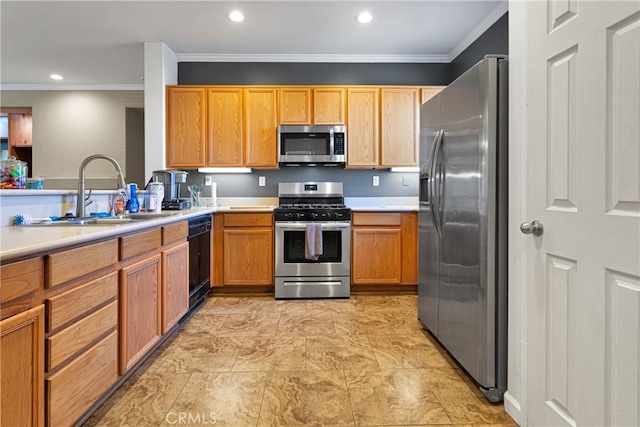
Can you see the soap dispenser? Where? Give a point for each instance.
(134, 206)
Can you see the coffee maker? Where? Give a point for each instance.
(171, 180)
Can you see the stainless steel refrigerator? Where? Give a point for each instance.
(462, 291)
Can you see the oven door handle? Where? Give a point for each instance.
(296, 226)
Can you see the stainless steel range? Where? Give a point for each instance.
(322, 204)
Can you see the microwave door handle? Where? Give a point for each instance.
(331, 152)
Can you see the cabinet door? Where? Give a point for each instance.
(377, 257)
(409, 248)
(22, 368)
(175, 285)
(261, 123)
(248, 256)
(363, 139)
(428, 92)
(295, 106)
(140, 307)
(224, 127)
(400, 126)
(186, 122)
(20, 129)
(328, 106)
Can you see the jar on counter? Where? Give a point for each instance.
(13, 173)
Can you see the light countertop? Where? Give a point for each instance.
(18, 242)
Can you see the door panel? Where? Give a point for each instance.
(583, 284)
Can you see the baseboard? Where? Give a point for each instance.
(513, 408)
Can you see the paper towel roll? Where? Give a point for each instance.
(214, 193)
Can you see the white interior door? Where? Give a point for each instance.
(583, 151)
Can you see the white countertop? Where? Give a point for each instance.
(18, 242)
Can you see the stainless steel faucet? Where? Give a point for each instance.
(80, 202)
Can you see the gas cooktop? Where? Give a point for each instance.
(311, 201)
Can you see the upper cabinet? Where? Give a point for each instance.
(225, 126)
(295, 106)
(363, 130)
(261, 124)
(312, 106)
(186, 127)
(400, 126)
(20, 125)
(328, 106)
(428, 92)
(225, 142)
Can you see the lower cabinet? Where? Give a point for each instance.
(75, 388)
(175, 285)
(384, 248)
(140, 310)
(243, 249)
(22, 385)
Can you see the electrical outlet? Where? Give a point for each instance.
(405, 181)
(262, 181)
(208, 179)
(376, 180)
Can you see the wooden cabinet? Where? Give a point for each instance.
(74, 263)
(363, 129)
(328, 105)
(295, 106)
(225, 135)
(186, 127)
(20, 284)
(140, 310)
(22, 369)
(76, 387)
(428, 92)
(312, 106)
(243, 249)
(20, 130)
(384, 248)
(175, 285)
(261, 123)
(399, 117)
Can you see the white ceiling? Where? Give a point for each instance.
(102, 42)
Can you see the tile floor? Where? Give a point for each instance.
(254, 361)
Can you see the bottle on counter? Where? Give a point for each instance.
(134, 205)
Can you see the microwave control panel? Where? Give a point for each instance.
(338, 144)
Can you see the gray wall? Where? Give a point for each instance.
(286, 73)
(135, 146)
(493, 41)
(357, 183)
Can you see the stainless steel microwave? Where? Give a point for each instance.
(299, 145)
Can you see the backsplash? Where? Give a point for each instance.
(357, 183)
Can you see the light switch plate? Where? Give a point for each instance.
(376, 180)
(208, 179)
(262, 181)
(405, 181)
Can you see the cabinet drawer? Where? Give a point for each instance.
(139, 243)
(248, 220)
(375, 218)
(20, 278)
(74, 263)
(72, 390)
(64, 344)
(175, 232)
(76, 302)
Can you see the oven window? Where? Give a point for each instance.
(304, 144)
(294, 247)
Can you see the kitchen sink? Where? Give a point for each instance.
(97, 221)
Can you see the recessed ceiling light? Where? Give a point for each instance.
(364, 17)
(56, 76)
(236, 16)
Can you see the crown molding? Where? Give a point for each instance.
(71, 87)
(478, 30)
(339, 58)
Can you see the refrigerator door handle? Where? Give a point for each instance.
(435, 210)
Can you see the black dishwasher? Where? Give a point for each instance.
(199, 258)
